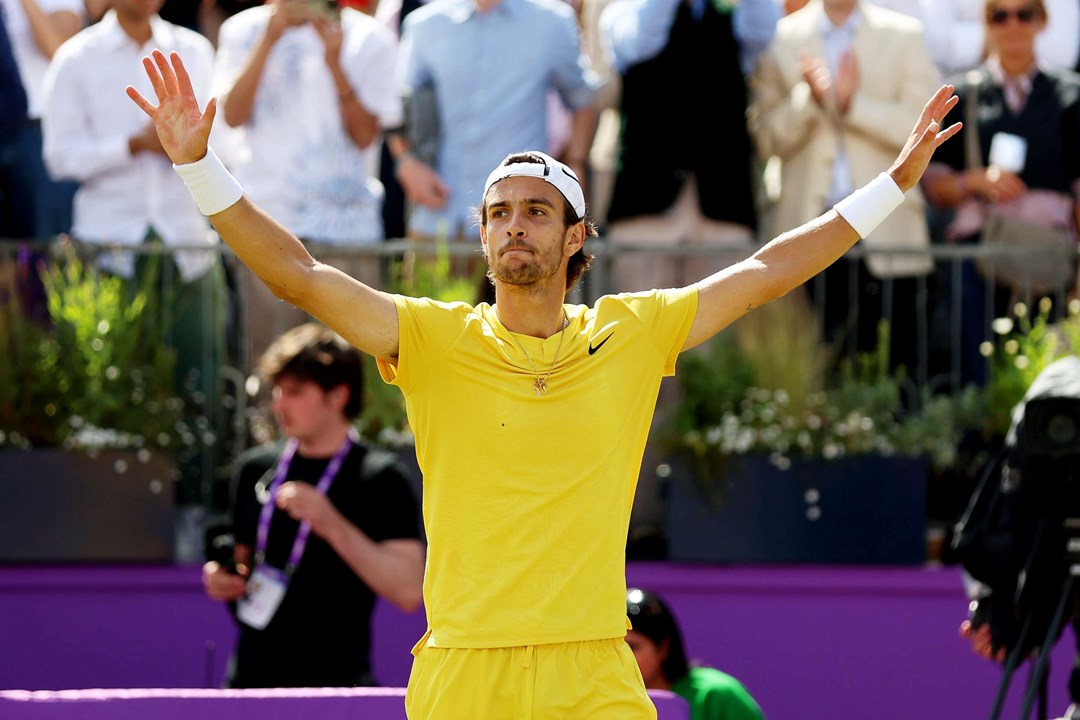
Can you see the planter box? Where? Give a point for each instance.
(867, 510)
(60, 506)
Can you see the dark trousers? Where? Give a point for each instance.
(852, 303)
(192, 317)
(32, 204)
(981, 302)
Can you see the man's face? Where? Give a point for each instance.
(841, 7)
(523, 232)
(302, 409)
(137, 9)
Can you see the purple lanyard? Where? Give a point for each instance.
(302, 533)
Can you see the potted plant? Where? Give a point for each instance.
(777, 458)
(91, 428)
(1025, 344)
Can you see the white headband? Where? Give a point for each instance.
(551, 171)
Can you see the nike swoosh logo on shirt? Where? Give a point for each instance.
(594, 348)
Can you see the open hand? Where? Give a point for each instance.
(183, 130)
(925, 138)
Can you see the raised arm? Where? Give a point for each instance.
(365, 317)
(798, 255)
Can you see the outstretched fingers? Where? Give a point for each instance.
(142, 102)
(168, 77)
(940, 105)
(183, 80)
(209, 113)
(155, 78)
(935, 107)
(947, 133)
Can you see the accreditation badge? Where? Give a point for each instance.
(265, 590)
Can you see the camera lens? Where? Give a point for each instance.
(1061, 429)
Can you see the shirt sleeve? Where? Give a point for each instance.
(667, 316)
(70, 151)
(411, 69)
(232, 53)
(730, 702)
(370, 64)
(573, 76)
(399, 515)
(754, 25)
(426, 329)
(634, 31)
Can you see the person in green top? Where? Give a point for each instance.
(658, 646)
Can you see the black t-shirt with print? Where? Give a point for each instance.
(320, 636)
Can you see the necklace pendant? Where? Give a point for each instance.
(541, 387)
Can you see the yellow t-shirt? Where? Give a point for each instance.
(527, 499)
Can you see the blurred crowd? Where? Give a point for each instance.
(703, 126)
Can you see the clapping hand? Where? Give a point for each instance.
(181, 127)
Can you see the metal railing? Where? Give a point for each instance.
(936, 307)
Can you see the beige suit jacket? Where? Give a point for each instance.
(896, 78)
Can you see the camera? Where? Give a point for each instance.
(1051, 428)
(1020, 535)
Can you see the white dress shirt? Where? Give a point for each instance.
(294, 157)
(838, 40)
(87, 121)
(31, 61)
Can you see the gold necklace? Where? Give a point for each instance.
(540, 385)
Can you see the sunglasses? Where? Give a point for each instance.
(1023, 15)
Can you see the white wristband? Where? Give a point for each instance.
(865, 208)
(212, 186)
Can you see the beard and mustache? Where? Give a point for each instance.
(528, 270)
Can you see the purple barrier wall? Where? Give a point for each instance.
(325, 704)
(809, 642)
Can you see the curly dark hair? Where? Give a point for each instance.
(314, 353)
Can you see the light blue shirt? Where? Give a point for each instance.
(637, 30)
(492, 73)
(838, 39)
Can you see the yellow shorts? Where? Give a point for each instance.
(592, 680)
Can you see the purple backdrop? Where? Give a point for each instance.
(809, 642)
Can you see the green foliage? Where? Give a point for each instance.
(1025, 346)
(431, 276)
(765, 389)
(416, 275)
(97, 374)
